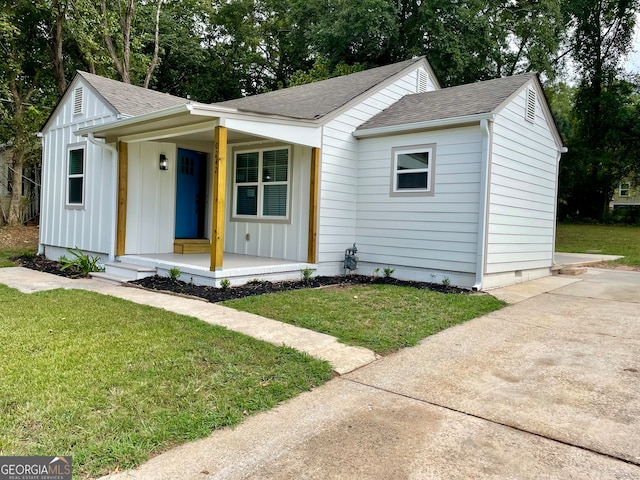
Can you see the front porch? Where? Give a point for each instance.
(195, 268)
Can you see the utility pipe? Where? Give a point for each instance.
(485, 129)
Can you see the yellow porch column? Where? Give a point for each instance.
(219, 195)
(313, 206)
(123, 178)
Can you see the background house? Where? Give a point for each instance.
(457, 184)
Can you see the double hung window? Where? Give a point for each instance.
(262, 184)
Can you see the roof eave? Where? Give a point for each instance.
(165, 113)
(430, 124)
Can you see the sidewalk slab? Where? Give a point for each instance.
(523, 291)
(343, 358)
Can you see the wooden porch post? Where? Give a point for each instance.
(313, 206)
(123, 178)
(219, 195)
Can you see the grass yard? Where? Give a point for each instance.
(606, 239)
(112, 383)
(383, 318)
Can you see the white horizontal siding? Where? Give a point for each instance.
(275, 240)
(438, 232)
(339, 168)
(89, 227)
(522, 190)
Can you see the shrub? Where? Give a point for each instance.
(81, 262)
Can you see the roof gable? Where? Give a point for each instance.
(319, 99)
(461, 101)
(130, 100)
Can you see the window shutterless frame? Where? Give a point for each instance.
(413, 170)
(75, 175)
(262, 184)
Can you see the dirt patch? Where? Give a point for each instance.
(19, 237)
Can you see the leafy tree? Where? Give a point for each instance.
(26, 81)
(605, 111)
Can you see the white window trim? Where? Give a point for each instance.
(259, 217)
(627, 188)
(429, 191)
(70, 147)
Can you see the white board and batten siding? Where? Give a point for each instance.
(422, 237)
(151, 198)
(88, 226)
(339, 165)
(522, 197)
(283, 240)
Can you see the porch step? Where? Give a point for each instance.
(108, 278)
(191, 245)
(128, 271)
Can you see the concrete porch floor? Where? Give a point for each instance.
(238, 269)
(203, 260)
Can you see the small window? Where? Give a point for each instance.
(261, 184)
(77, 101)
(75, 176)
(530, 113)
(413, 169)
(625, 189)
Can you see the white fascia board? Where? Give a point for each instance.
(297, 133)
(431, 124)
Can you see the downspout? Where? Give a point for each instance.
(114, 158)
(483, 206)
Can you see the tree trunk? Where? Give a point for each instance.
(58, 65)
(156, 48)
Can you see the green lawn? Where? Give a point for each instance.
(382, 318)
(607, 239)
(111, 382)
(7, 254)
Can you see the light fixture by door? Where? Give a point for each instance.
(164, 162)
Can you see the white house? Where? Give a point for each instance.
(457, 183)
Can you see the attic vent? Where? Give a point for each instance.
(77, 101)
(422, 81)
(530, 113)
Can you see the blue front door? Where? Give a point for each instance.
(191, 189)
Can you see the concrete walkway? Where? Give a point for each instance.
(343, 358)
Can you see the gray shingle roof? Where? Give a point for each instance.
(315, 100)
(131, 100)
(452, 102)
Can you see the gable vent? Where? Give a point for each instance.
(530, 113)
(422, 81)
(77, 101)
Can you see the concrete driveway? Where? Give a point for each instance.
(546, 388)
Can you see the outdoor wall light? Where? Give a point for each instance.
(164, 163)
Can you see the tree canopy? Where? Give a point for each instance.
(213, 50)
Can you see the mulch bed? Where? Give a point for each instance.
(43, 264)
(260, 287)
